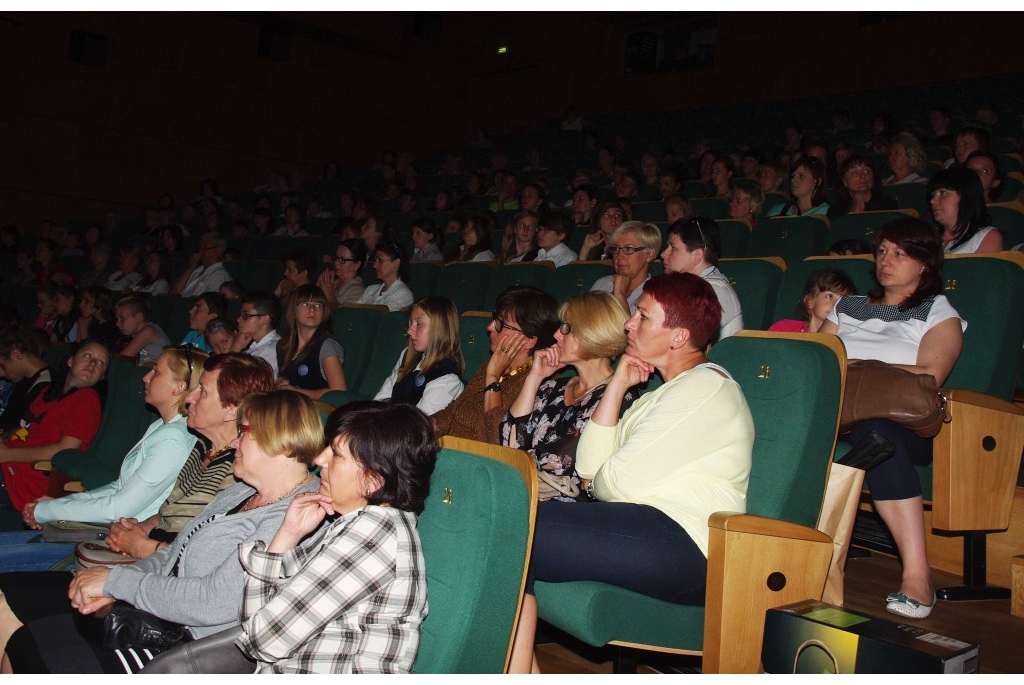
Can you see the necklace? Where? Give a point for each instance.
(298, 485)
(517, 370)
(573, 385)
(213, 453)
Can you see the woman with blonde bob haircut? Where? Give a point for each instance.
(429, 371)
(549, 414)
(632, 248)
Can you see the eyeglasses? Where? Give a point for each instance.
(629, 250)
(344, 259)
(565, 328)
(187, 349)
(500, 325)
(245, 316)
(243, 429)
(315, 306)
(612, 215)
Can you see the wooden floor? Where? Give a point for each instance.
(988, 624)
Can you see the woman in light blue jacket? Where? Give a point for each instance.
(147, 474)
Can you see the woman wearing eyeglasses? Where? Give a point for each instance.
(632, 247)
(310, 358)
(342, 284)
(197, 581)
(147, 473)
(808, 186)
(524, 319)
(391, 264)
(548, 415)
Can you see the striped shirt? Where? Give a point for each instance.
(196, 487)
(350, 598)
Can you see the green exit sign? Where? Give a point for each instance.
(503, 49)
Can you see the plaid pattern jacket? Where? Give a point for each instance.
(350, 598)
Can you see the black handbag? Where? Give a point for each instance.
(125, 627)
(122, 626)
(215, 653)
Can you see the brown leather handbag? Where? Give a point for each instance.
(876, 390)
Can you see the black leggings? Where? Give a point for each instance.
(895, 478)
(632, 546)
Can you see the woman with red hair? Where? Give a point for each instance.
(676, 456)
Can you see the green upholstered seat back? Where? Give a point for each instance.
(791, 237)
(124, 421)
(1008, 217)
(465, 283)
(859, 269)
(734, 235)
(756, 282)
(476, 345)
(989, 294)
(424, 278)
(576, 278)
(388, 341)
(793, 388)
(474, 530)
(711, 207)
(355, 328)
(909, 196)
(536, 274)
(860, 225)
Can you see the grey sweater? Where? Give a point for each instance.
(206, 593)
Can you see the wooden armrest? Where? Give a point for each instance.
(735, 522)
(975, 461)
(74, 486)
(42, 466)
(755, 564)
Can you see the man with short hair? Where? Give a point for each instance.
(205, 270)
(257, 327)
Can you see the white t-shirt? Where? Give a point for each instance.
(605, 285)
(970, 246)
(396, 297)
(883, 332)
(561, 254)
(732, 314)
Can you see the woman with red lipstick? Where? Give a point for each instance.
(906, 322)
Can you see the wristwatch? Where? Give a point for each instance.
(493, 387)
(590, 489)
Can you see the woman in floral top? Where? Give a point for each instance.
(548, 415)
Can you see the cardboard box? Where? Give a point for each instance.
(814, 637)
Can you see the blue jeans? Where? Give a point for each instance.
(632, 546)
(26, 551)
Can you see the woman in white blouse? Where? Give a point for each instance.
(906, 322)
(391, 264)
